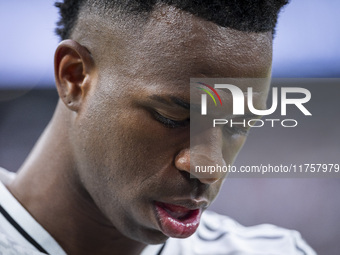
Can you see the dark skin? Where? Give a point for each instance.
(105, 158)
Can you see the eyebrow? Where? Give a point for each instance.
(171, 100)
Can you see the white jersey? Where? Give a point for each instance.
(21, 234)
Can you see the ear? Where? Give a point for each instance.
(74, 70)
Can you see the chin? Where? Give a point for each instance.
(152, 237)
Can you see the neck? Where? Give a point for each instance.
(47, 185)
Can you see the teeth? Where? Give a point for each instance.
(178, 215)
(177, 211)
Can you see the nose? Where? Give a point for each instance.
(204, 159)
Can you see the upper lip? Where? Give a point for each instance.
(190, 204)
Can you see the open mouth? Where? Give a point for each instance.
(177, 221)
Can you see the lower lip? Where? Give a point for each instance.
(177, 227)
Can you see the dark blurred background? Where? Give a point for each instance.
(306, 45)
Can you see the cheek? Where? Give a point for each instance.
(128, 146)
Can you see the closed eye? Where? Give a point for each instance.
(237, 127)
(170, 123)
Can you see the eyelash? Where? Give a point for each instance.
(169, 123)
(236, 130)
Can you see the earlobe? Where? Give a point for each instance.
(74, 67)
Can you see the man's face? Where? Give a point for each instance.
(131, 138)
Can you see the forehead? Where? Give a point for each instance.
(205, 46)
(174, 45)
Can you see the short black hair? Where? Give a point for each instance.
(243, 15)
